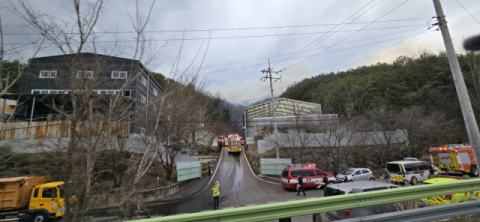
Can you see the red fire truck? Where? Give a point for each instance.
(221, 142)
(454, 159)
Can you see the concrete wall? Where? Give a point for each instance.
(57, 129)
(115, 200)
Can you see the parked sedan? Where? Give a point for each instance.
(356, 174)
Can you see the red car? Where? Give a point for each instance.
(311, 176)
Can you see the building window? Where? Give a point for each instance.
(85, 74)
(144, 100)
(46, 91)
(48, 74)
(119, 74)
(127, 93)
(155, 92)
(142, 131)
(144, 81)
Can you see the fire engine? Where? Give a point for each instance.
(454, 159)
(221, 142)
(234, 144)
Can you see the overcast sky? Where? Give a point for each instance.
(303, 38)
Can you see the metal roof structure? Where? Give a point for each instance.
(283, 107)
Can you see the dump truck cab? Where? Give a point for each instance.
(47, 201)
(44, 201)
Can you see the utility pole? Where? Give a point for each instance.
(266, 77)
(467, 111)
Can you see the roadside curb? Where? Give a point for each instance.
(269, 177)
(253, 173)
(203, 185)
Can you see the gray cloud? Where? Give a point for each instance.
(233, 65)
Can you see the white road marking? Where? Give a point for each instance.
(248, 163)
(214, 172)
(218, 163)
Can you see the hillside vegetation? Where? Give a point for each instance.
(424, 82)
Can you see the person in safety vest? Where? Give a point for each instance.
(216, 193)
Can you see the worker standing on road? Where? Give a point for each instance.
(300, 185)
(216, 193)
(209, 168)
(325, 181)
(387, 176)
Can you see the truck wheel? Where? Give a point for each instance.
(474, 171)
(40, 217)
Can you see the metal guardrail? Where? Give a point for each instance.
(325, 204)
(424, 214)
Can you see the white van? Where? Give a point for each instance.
(409, 170)
(364, 186)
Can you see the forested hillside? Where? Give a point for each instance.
(424, 82)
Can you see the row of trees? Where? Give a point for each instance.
(369, 140)
(424, 81)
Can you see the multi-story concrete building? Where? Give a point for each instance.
(50, 81)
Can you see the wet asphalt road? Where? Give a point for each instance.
(238, 188)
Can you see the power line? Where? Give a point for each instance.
(258, 93)
(217, 38)
(425, 31)
(280, 55)
(349, 35)
(311, 55)
(246, 90)
(309, 44)
(468, 12)
(287, 45)
(220, 29)
(255, 93)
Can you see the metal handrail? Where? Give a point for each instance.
(325, 204)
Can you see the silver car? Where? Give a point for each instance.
(356, 174)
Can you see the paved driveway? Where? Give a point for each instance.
(238, 187)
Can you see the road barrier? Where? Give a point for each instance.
(271, 166)
(324, 204)
(189, 170)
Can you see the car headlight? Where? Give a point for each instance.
(61, 209)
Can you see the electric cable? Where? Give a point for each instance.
(218, 29)
(288, 44)
(347, 36)
(468, 12)
(317, 39)
(246, 90)
(425, 31)
(311, 55)
(213, 38)
(280, 55)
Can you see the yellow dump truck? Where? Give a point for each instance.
(44, 201)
